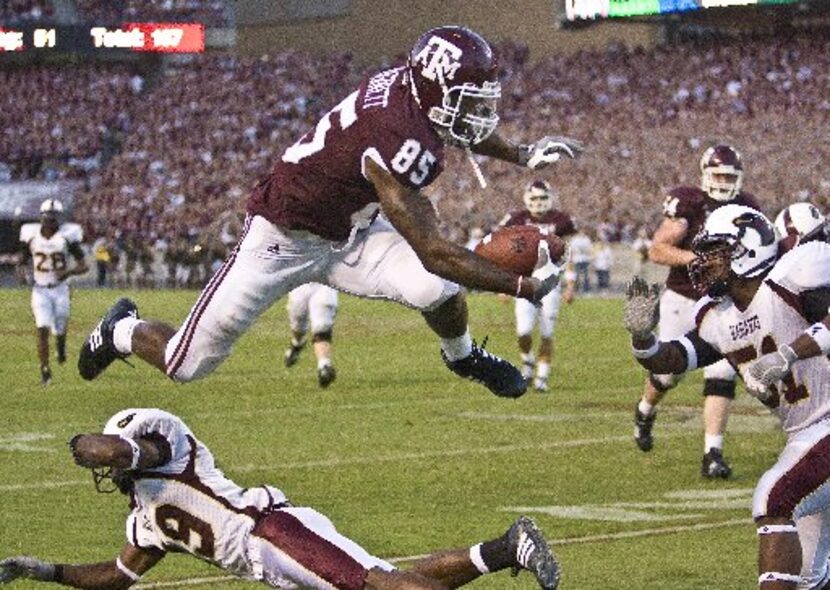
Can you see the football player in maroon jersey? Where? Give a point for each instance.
(685, 210)
(541, 210)
(317, 217)
(180, 502)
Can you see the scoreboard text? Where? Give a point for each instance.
(153, 37)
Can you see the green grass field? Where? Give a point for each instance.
(402, 455)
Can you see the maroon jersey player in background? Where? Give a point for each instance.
(316, 218)
(686, 209)
(541, 210)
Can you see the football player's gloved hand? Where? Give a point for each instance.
(549, 149)
(545, 275)
(26, 567)
(642, 308)
(762, 374)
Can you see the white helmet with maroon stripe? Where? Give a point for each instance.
(800, 222)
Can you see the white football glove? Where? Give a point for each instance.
(550, 148)
(546, 272)
(26, 567)
(642, 308)
(764, 373)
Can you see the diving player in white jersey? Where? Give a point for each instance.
(767, 314)
(182, 502)
(48, 246)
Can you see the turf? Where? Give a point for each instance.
(402, 455)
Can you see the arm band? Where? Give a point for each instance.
(126, 571)
(136, 451)
(647, 353)
(58, 579)
(821, 335)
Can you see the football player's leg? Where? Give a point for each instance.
(322, 309)
(526, 313)
(300, 546)
(718, 391)
(62, 306)
(381, 264)
(43, 312)
(814, 536)
(547, 324)
(297, 308)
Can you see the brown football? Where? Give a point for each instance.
(516, 247)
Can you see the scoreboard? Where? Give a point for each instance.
(590, 9)
(149, 37)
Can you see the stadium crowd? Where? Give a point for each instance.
(187, 148)
(211, 13)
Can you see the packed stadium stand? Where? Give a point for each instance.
(165, 157)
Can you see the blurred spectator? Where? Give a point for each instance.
(103, 258)
(581, 256)
(603, 260)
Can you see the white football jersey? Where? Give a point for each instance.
(188, 504)
(776, 316)
(49, 255)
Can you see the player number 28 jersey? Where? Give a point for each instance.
(50, 255)
(188, 505)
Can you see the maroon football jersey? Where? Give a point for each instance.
(318, 184)
(694, 205)
(554, 221)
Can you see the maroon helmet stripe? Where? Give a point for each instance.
(788, 223)
(801, 480)
(180, 353)
(787, 296)
(314, 553)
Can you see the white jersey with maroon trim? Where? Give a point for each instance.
(187, 504)
(777, 315)
(49, 255)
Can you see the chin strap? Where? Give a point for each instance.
(476, 167)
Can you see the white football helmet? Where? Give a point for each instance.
(51, 206)
(722, 172)
(538, 197)
(800, 222)
(735, 241)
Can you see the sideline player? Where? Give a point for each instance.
(686, 209)
(312, 306)
(770, 320)
(48, 246)
(541, 210)
(316, 219)
(181, 502)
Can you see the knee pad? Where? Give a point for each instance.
(719, 387)
(663, 383)
(324, 336)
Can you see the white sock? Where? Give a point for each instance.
(478, 561)
(122, 334)
(712, 440)
(528, 358)
(457, 348)
(646, 409)
(542, 370)
(324, 362)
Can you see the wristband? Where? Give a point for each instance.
(640, 353)
(58, 575)
(519, 286)
(821, 335)
(136, 451)
(126, 571)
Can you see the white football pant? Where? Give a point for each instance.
(268, 262)
(313, 304)
(50, 306)
(547, 312)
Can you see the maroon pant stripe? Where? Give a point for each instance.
(316, 554)
(801, 480)
(201, 304)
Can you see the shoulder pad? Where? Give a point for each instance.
(807, 266)
(704, 305)
(28, 231)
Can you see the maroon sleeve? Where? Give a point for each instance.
(566, 227)
(514, 218)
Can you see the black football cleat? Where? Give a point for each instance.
(292, 354)
(45, 376)
(495, 373)
(326, 375)
(714, 466)
(642, 429)
(98, 351)
(532, 553)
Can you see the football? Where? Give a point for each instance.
(515, 247)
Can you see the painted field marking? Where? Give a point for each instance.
(23, 442)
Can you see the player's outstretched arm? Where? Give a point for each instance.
(411, 213)
(119, 573)
(640, 317)
(535, 155)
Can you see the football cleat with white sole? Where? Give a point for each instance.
(495, 373)
(642, 429)
(540, 385)
(292, 354)
(98, 351)
(714, 466)
(532, 553)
